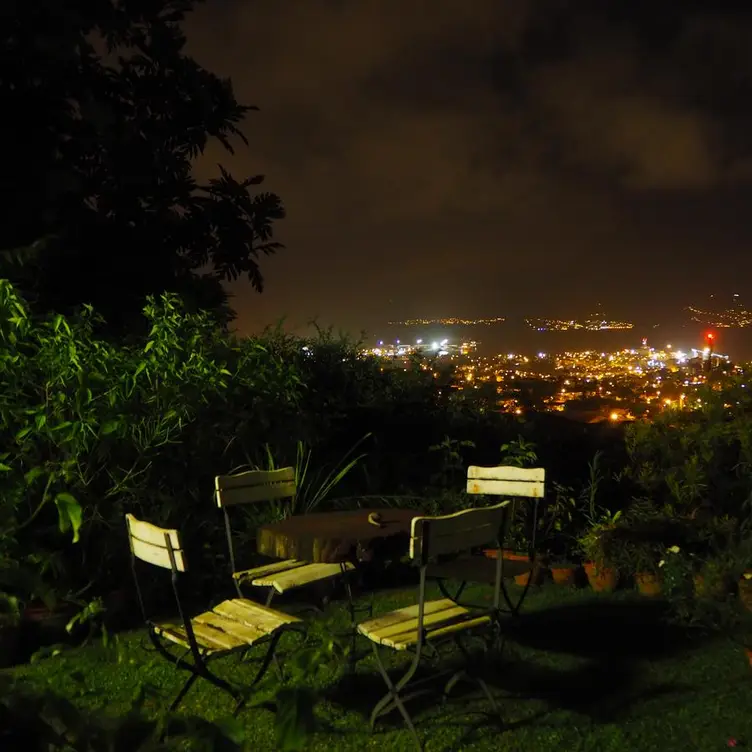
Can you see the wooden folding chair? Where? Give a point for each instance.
(256, 486)
(231, 626)
(431, 623)
(515, 483)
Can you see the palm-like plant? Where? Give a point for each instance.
(313, 486)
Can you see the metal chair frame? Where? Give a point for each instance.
(510, 513)
(284, 477)
(198, 667)
(394, 697)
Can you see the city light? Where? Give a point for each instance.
(595, 385)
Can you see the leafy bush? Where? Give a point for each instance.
(697, 462)
(90, 430)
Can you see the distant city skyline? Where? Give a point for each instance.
(713, 303)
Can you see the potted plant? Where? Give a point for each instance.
(10, 626)
(534, 575)
(564, 571)
(713, 577)
(646, 568)
(555, 532)
(638, 551)
(602, 575)
(516, 541)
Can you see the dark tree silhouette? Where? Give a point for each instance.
(103, 116)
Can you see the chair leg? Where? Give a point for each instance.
(392, 698)
(266, 662)
(200, 669)
(352, 659)
(270, 597)
(470, 673)
(183, 692)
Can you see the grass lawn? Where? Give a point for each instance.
(579, 672)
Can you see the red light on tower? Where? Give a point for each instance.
(710, 338)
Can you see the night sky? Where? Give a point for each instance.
(491, 157)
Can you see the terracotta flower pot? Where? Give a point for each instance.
(601, 580)
(564, 574)
(713, 588)
(535, 574)
(745, 590)
(648, 583)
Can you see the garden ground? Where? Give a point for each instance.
(580, 671)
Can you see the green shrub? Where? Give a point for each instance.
(90, 429)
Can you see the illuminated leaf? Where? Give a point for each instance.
(109, 427)
(69, 514)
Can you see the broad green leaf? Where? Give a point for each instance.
(23, 433)
(109, 427)
(40, 421)
(69, 514)
(149, 345)
(5, 468)
(141, 365)
(33, 474)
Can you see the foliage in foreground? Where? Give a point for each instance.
(33, 719)
(90, 429)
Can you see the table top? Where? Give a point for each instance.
(332, 537)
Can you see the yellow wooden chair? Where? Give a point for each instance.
(252, 487)
(430, 623)
(231, 626)
(519, 485)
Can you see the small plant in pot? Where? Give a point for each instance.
(645, 562)
(556, 536)
(564, 571)
(519, 555)
(561, 561)
(595, 545)
(712, 578)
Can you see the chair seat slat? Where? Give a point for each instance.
(300, 576)
(399, 629)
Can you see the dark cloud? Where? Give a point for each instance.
(420, 144)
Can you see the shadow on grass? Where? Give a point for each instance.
(617, 630)
(600, 647)
(466, 709)
(603, 691)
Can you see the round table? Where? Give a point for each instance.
(337, 537)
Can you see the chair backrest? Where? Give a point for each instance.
(506, 480)
(454, 533)
(254, 486)
(155, 545)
